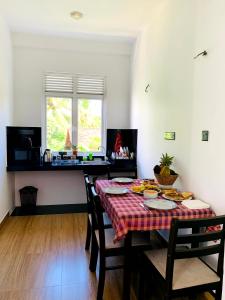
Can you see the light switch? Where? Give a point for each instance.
(169, 135)
(205, 135)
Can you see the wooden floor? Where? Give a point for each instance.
(43, 258)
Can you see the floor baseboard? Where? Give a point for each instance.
(4, 220)
(49, 209)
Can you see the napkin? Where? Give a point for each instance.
(195, 204)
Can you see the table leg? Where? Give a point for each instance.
(196, 244)
(127, 263)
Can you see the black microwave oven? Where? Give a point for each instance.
(23, 145)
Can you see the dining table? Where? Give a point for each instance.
(128, 214)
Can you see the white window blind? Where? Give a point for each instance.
(60, 83)
(90, 85)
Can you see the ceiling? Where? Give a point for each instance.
(118, 18)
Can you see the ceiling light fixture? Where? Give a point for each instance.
(77, 15)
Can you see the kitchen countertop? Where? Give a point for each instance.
(64, 165)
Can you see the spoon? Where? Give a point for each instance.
(143, 206)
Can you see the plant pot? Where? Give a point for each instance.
(166, 180)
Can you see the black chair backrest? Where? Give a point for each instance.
(204, 242)
(87, 182)
(98, 212)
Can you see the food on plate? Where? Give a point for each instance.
(174, 195)
(169, 190)
(148, 181)
(137, 188)
(187, 195)
(141, 188)
(151, 187)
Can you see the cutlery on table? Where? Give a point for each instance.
(143, 206)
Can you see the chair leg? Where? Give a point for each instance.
(219, 293)
(141, 285)
(88, 235)
(94, 254)
(101, 282)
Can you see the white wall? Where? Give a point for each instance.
(35, 55)
(6, 112)
(186, 95)
(54, 187)
(207, 158)
(163, 59)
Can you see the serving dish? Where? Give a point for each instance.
(139, 189)
(177, 196)
(150, 194)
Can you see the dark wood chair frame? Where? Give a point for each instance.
(103, 251)
(91, 220)
(199, 248)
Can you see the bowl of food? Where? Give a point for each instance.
(150, 194)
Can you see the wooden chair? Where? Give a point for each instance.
(103, 240)
(97, 173)
(91, 222)
(181, 268)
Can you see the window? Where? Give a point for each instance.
(74, 112)
(89, 125)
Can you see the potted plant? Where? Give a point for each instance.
(163, 173)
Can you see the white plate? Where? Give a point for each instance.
(177, 200)
(115, 190)
(122, 180)
(160, 204)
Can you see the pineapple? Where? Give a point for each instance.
(165, 163)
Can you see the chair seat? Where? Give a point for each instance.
(106, 219)
(109, 236)
(139, 239)
(187, 272)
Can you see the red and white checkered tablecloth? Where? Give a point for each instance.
(127, 214)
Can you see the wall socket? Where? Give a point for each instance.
(205, 135)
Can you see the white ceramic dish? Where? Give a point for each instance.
(122, 180)
(115, 190)
(160, 204)
(150, 194)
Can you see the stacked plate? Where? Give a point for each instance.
(122, 180)
(160, 204)
(115, 190)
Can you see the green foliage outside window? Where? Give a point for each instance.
(89, 124)
(59, 121)
(59, 124)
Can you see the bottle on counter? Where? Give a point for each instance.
(90, 156)
(47, 156)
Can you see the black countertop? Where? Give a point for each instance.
(64, 165)
(86, 166)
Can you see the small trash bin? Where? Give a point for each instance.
(28, 196)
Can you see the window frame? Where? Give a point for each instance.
(74, 134)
